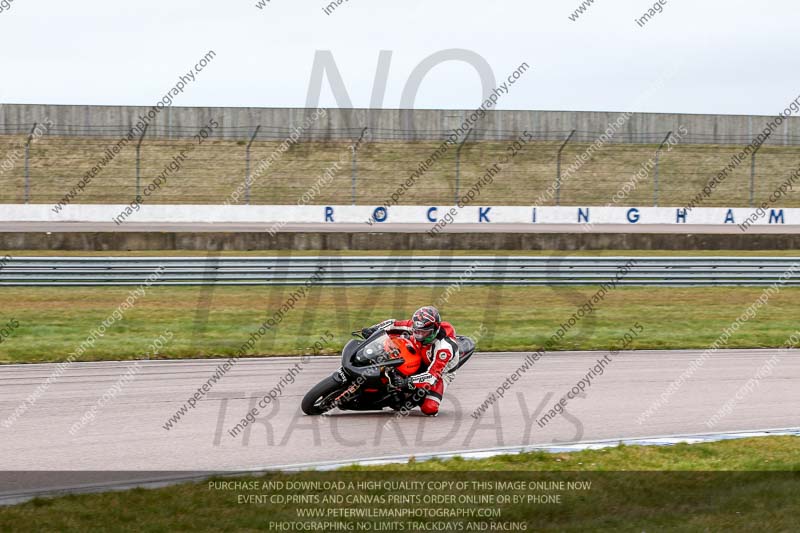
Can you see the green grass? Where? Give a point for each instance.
(214, 322)
(754, 454)
(741, 485)
(215, 169)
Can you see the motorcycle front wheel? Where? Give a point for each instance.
(319, 399)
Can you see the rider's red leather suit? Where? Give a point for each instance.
(438, 356)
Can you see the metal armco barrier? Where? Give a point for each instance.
(400, 270)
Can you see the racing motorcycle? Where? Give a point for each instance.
(375, 374)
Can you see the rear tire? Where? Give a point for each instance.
(314, 399)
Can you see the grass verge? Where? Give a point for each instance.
(723, 486)
(216, 321)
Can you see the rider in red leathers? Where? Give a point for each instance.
(439, 352)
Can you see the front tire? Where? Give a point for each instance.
(315, 400)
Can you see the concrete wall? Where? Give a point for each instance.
(423, 216)
(200, 242)
(239, 123)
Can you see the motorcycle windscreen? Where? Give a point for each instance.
(385, 349)
(377, 351)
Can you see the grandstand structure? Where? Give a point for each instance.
(363, 165)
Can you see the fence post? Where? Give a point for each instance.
(558, 168)
(139, 161)
(247, 177)
(28, 164)
(354, 170)
(655, 180)
(753, 175)
(458, 164)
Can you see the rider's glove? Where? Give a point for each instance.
(366, 332)
(404, 383)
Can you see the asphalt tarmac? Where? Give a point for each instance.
(128, 440)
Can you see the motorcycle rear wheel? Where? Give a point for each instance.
(314, 402)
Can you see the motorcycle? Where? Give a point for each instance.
(375, 374)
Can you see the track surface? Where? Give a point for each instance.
(128, 434)
(57, 227)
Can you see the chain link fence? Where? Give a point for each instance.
(362, 165)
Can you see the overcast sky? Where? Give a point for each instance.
(714, 56)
